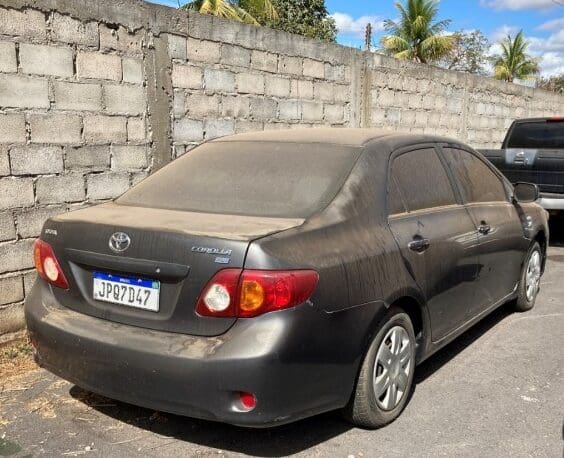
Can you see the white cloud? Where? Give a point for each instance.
(347, 25)
(516, 5)
(554, 24)
(501, 32)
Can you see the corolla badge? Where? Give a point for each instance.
(119, 241)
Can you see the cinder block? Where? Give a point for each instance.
(302, 89)
(323, 90)
(98, 65)
(29, 279)
(132, 70)
(290, 65)
(12, 128)
(248, 126)
(11, 290)
(16, 255)
(36, 160)
(7, 227)
(46, 60)
(201, 105)
(203, 51)
(4, 159)
(186, 76)
(250, 83)
(16, 192)
(30, 221)
(136, 131)
(176, 47)
(235, 106)
(216, 80)
(265, 61)
(8, 57)
(78, 96)
(23, 92)
(73, 31)
(235, 56)
(55, 128)
(214, 128)
(188, 130)
(312, 111)
(334, 113)
(58, 189)
(314, 68)
(128, 100)
(289, 110)
(138, 177)
(102, 129)
(121, 39)
(129, 157)
(92, 158)
(334, 72)
(107, 185)
(263, 109)
(26, 23)
(278, 87)
(179, 103)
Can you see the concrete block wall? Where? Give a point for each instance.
(96, 95)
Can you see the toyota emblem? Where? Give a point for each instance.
(119, 241)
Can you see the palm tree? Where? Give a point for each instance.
(249, 11)
(415, 36)
(513, 62)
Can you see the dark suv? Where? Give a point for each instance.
(267, 277)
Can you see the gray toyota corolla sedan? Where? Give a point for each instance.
(267, 277)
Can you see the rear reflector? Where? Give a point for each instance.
(248, 401)
(47, 265)
(248, 293)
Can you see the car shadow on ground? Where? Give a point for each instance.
(295, 437)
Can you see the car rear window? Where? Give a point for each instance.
(537, 135)
(248, 178)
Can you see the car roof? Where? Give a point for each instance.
(352, 137)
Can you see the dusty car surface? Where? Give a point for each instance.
(267, 277)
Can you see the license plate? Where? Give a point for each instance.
(130, 291)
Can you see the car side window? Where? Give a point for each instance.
(477, 181)
(421, 180)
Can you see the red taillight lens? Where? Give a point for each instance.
(248, 401)
(248, 293)
(47, 265)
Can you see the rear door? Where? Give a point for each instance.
(435, 234)
(501, 245)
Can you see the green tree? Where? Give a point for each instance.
(249, 11)
(416, 36)
(309, 18)
(514, 62)
(469, 53)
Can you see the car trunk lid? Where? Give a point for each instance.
(180, 251)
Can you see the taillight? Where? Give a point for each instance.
(248, 293)
(47, 265)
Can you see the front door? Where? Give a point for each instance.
(501, 246)
(436, 236)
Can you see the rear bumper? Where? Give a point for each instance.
(281, 357)
(551, 201)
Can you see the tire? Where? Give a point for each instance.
(529, 283)
(366, 409)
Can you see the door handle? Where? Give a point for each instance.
(484, 228)
(418, 244)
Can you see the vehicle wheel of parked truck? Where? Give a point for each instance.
(386, 375)
(529, 284)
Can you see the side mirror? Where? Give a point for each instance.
(525, 192)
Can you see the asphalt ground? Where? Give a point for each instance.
(498, 390)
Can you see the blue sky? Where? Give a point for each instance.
(541, 20)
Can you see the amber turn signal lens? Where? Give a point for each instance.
(252, 295)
